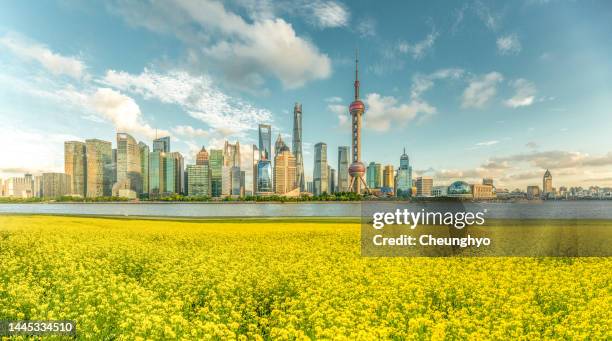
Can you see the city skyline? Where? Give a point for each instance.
(520, 109)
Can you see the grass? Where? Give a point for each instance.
(282, 279)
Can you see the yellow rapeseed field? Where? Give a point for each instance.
(145, 279)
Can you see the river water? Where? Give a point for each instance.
(522, 210)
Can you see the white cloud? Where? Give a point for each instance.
(481, 90)
(366, 27)
(54, 62)
(326, 14)
(419, 49)
(524, 95)
(509, 44)
(123, 112)
(487, 143)
(246, 51)
(383, 111)
(333, 99)
(197, 95)
(341, 112)
(190, 131)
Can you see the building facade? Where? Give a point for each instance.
(403, 184)
(128, 162)
(389, 177)
(264, 177)
(284, 171)
(343, 166)
(547, 185)
(162, 144)
(75, 165)
(297, 146)
(144, 167)
(265, 142)
(216, 172)
(99, 168)
(157, 173)
(320, 176)
(424, 186)
(374, 175)
(202, 157)
(55, 185)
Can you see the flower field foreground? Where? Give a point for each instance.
(131, 279)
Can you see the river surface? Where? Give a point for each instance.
(522, 210)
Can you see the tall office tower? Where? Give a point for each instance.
(424, 185)
(255, 162)
(128, 162)
(278, 145)
(284, 171)
(264, 177)
(332, 180)
(388, 176)
(56, 185)
(226, 181)
(404, 177)
(75, 165)
(216, 172)
(297, 146)
(231, 154)
(235, 189)
(547, 186)
(310, 186)
(343, 165)
(242, 183)
(357, 109)
(157, 174)
(374, 176)
(175, 176)
(202, 157)
(144, 167)
(162, 144)
(99, 168)
(114, 167)
(320, 176)
(265, 142)
(198, 180)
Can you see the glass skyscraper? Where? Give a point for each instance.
(265, 141)
(157, 171)
(404, 177)
(297, 147)
(75, 165)
(128, 162)
(320, 174)
(264, 177)
(99, 168)
(198, 180)
(343, 165)
(162, 144)
(144, 167)
(374, 175)
(216, 172)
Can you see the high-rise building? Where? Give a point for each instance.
(256, 159)
(320, 176)
(343, 166)
(114, 166)
(310, 186)
(202, 157)
(18, 187)
(128, 162)
(231, 154)
(226, 181)
(278, 145)
(357, 109)
(198, 180)
(216, 172)
(388, 177)
(403, 184)
(264, 177)
(265, 142)
(297, 146)
(242, 183)
(547, 186)
(235, 189)
(332, 179)
(75, 165)
(374, 175)
(162, 144)
(424, 186)
(55, 185)
(157, 174)
(99, 168)
(144, 167)
(284, 171)
(174, 173)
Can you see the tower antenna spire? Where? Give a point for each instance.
(356, 74)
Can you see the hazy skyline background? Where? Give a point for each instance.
(471, 90)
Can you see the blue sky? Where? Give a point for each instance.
(470, 89)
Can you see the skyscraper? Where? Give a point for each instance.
(202, 157)
(297, 146)
(256, 159)
(99, 168)
(343, 165)
(231, 154)
(175, 174)
(357, 109)
(216, 172)
(264, 177)
(157, 174)
(144, 167)
(404, 177)
(55, 185)
(547, 186)
(198, 180)
(320, 176)
(374, 176)
(332, 179)
(284, 171)
(388, 177)
(162, 144)
(424, 186)
(278, 145)
(128, 162)
(75, 165)
(265, 142)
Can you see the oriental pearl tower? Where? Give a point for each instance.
(357, 109)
